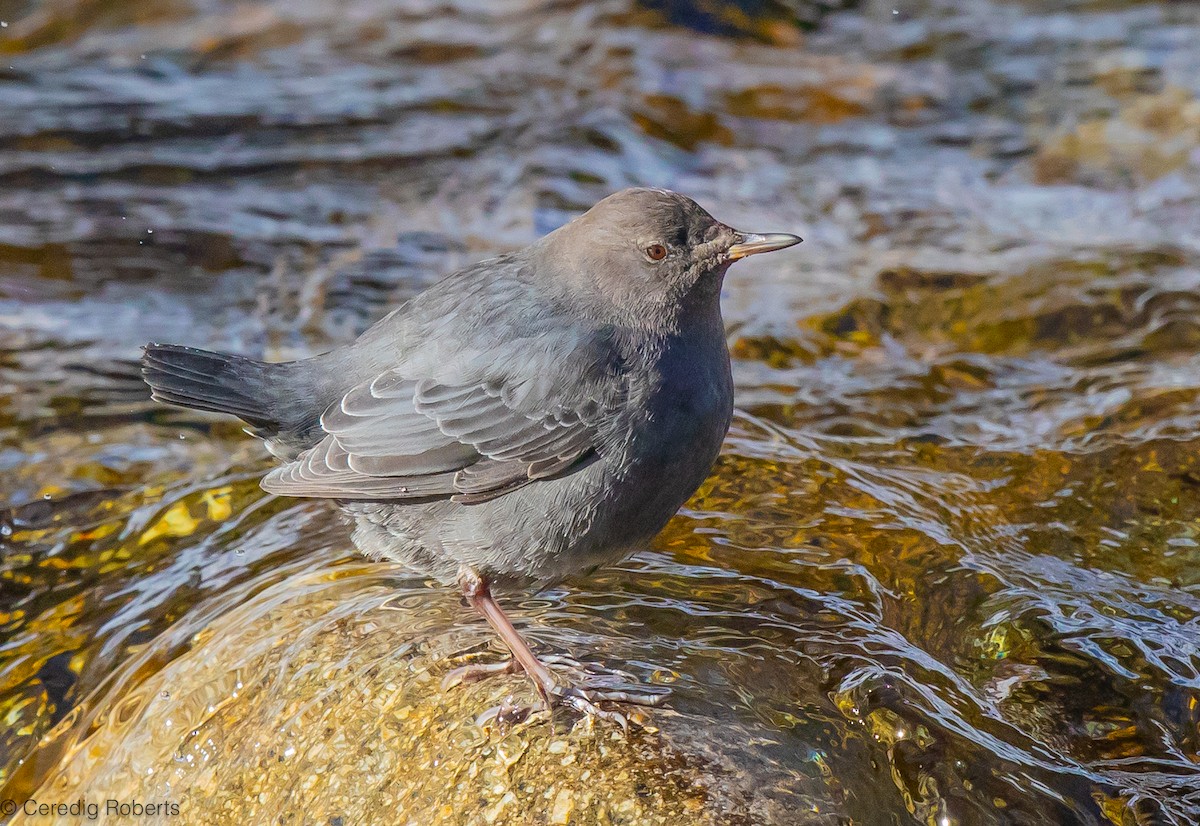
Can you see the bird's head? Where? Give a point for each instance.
(650, 254)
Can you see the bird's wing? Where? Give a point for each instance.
(478, 436)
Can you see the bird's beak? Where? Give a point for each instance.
(751, 244)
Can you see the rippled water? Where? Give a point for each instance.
(946, 568)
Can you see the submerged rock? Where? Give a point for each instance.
(319, 701)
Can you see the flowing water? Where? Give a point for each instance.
(945, 570)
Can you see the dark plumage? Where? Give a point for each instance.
(529, 417)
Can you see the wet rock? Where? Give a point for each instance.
(319, 701)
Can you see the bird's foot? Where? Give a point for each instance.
(587, 688)
(605, 702)
(599, 693)
(592, 693)
(506, 714)
(474, 672)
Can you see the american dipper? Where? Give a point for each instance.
(529, 417)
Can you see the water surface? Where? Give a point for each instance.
(945, 570)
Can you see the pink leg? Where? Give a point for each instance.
(475, 589)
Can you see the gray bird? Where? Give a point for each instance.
(530, 417)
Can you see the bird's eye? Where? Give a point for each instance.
(656, 252)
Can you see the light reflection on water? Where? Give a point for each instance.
(945, 569)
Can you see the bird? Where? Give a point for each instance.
(534, 416)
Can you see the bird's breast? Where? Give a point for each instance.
(689, 412)
(677, 432)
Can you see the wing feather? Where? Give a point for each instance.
(399, 437)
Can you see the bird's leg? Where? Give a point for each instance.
(478, 594)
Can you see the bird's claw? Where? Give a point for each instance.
(591, 669)
(593, 696)
(473, 672)
(601, 690)
(577, 699)
(505, 714)
(593, 701)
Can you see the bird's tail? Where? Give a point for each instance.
(220, 382)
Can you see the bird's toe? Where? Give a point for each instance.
(505, 714)
(473, 672)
